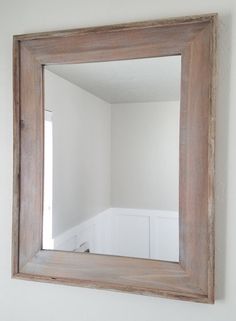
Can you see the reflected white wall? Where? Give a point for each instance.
(145, 155)
(81, 152)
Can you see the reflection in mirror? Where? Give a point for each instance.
(112, 158)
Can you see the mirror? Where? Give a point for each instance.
(112, 158)
(113, 161)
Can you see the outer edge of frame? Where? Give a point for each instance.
(119, 27)
(211, 161)
(197, 298)
(16, 155)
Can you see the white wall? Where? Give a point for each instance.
(27, 301)
(145, 155)
(81, 152)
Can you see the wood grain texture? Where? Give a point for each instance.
(135, 275)
(31, 156)
(103, 46)
(197, 161)
(193, 38)
(194, 164)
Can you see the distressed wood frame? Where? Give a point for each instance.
(194, 39)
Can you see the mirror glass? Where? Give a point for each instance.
(111, 164)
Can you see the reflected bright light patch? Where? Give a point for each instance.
(48, 242)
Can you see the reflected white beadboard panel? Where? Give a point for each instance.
(102, 233)
(164, 238)
(140, 233)
(131, 235)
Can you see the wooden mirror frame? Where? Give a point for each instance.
(194, 39)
